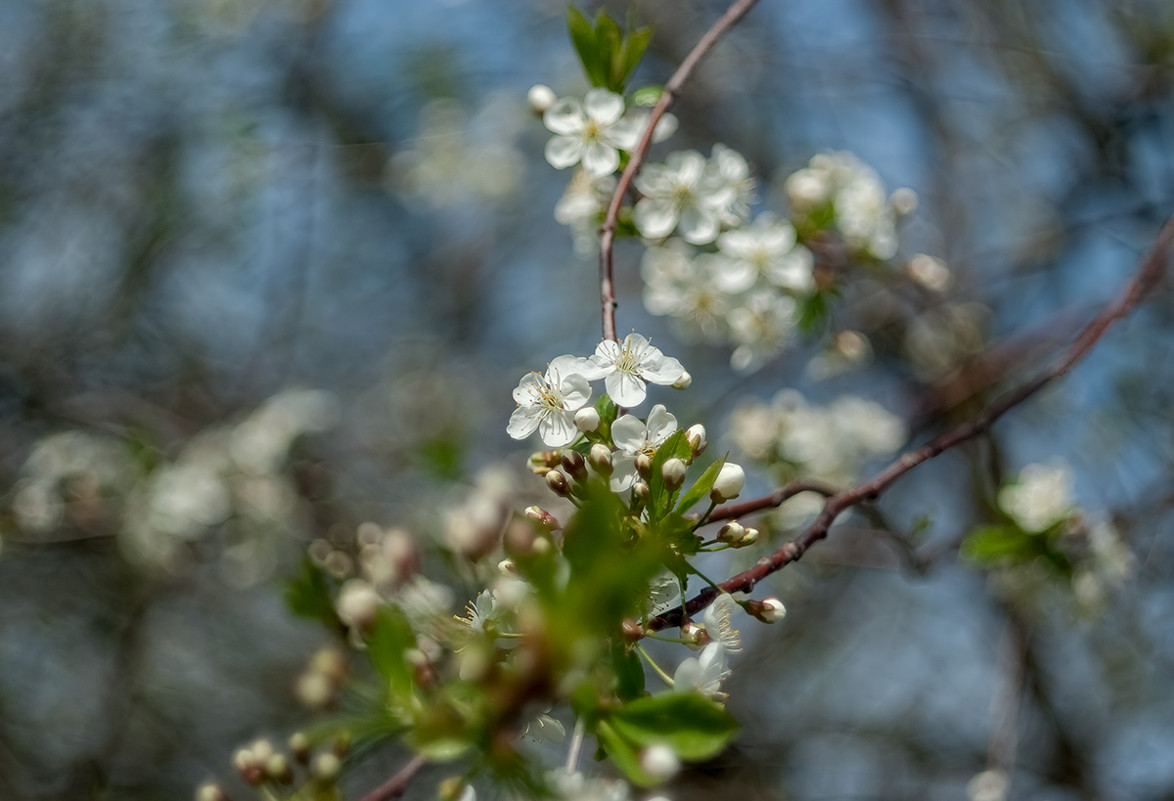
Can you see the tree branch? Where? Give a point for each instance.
(636, 159)
(1153, 267)
(397, 785)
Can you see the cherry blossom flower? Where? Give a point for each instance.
(719, 620)
(703, 673)
(683, 194)
(628, 367)
(633, 437)
(591, 132)
(766, 248)
(547, 403)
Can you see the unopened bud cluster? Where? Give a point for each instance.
(260, 763)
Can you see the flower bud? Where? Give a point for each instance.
(542, 462)
(507, 567)
(903, 200)
(587, 419)
(684, 381)
(279, 770)
(357, 605)
(210, 792)
(600, 459)
(731, 532)
(660, 762)
(749, 538)
(541, 97)
(642, 491)
(575, 465)
(543, 517)
(631, 630)
(247, 764)
(695, 436)
(730, 480)
(262, 749)
(558, 483)
(299, 746)
(644, 465)
(326, 768)
(768, 610)
(692, 634)
(673, 471)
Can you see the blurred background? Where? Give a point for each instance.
(270, 269)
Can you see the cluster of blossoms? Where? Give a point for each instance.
(227, 476)
(721, 277)
(1046, 521)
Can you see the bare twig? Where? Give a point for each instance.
(671, 89)
(397, 785)
(1153, 267)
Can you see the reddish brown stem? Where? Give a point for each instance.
(1153, 267)
(397, 785)
(636, 158)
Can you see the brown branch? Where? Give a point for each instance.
(735, 510)
(636, 158)
(1153, 267)
(397, 785)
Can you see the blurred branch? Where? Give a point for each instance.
(397, 785)
(1153, 267)
(671, 89)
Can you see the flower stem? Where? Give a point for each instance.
(668, 679)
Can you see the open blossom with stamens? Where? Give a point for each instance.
(634, 438)
(719, 622)
(591, 132)
(703, 673)
(547, 403)
(628, 367)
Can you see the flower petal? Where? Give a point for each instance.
(563, 151)
(558, 429)
(527, 393)
(565, 117)
(524, 421)
(698, 226)
(655, 217)
(628, 434)
(603, 106)
(626, 389)
(666, 371)
(576, 392)
(600, 159)
(661, 425)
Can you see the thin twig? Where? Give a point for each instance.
(1153, 267)
(397, 785)
(636, 158)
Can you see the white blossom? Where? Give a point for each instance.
(634, 437)
(547, 403)
(703, 673)
(765, 249)
(682, 194)
(628, 367)
(591, 132)
(685, 287)
(719, 621)
(1042, 496)
(760, 328)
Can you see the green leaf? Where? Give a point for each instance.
(660, 499)
(390, 637)
(609, 42)
(583, 37)
(693, 726)
(308, 595)
(647, 95)
(623, 754)
(635, 43)
(702, 487)
(629, 671)
(814, 313)
(994, 543)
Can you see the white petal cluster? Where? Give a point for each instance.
(1042, 497)
(547, 403)
(691, 195)
(634, 437)
(628, 367)
(582, 206)
(591, 132)
(853, 192)
(829, 442)
(703, 673)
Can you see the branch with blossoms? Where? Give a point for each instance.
(1151, 271)
(564, 594)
